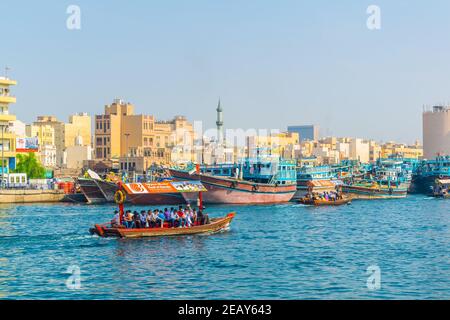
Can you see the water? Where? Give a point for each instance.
(271, 252)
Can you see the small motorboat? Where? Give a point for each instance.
(319, 202)
(215, 225)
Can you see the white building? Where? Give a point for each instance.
(359, 150)
(48, 155)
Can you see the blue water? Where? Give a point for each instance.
(271, 252)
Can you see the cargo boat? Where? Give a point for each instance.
(428, 172)
(251, 182)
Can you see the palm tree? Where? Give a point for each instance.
(29, 164)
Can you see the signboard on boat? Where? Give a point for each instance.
(164, 187)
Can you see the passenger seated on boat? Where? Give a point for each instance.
(137, 220)
(128, 221)
(171, 217)
(143, 218)
(181, 218)
(115, 222)
(150, 220)
(160, 218)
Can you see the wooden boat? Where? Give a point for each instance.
(317, 202)
(216, 225)
(108, 230)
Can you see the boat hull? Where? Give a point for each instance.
(320, 203)
(360, 192)
(97, 191)
(425, 185)
(222, 190)
(216, 225)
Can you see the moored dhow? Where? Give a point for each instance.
(428, 173)
(372, 189)
(251, 182)
(95, 189)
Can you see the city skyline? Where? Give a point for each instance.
(317, 63)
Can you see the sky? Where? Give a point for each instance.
(272, 63)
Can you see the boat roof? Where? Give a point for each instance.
(164, 187)
(321, 183)
(444, 181)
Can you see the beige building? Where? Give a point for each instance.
(44, 133)
(65, 134)
(390, 149)
(285, 144)
(436, 132)
(121, 134)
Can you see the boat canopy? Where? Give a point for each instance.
(320, 183)
(164, 187)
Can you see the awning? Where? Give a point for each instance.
(337, 182)
(443, 181)
(164, 187)
(320, 183)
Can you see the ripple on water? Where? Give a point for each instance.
(271, 252)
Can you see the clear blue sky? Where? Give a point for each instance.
(273, 63)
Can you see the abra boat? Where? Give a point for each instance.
(216, 225)
(252, 182)
(119, 231)
(311, 178)
(317, 202)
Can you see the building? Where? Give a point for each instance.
(7, 136)
(65, 134)
(79, 125)
(359, 150)
(19, 128)
(138, 141)
(77, 155)
(436, 132)
(308, 132)
(44, 133)
(393, 149)
(285, 145)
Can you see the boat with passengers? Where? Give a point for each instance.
(119, 227)
(252, 181)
